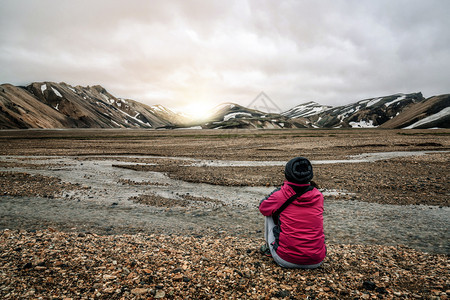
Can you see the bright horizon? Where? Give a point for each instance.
(193, 56)
(197, 111)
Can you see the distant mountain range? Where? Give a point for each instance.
(59, 105)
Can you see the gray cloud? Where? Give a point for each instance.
(173, 52)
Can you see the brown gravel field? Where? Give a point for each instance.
(58, 265)
(53, 264)
(406, 180)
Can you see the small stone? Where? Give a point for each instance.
(177, 277)
(381, 290)
(160, 294)
(369, 285)
(282, 294)
(109, 277)
(285, 287)
(139, 291)
(28, 266)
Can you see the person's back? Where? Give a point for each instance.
(298, 241)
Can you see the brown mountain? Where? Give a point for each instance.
(20, 109)
(433, 112)
(59, 105)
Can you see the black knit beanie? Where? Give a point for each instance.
(298, 170)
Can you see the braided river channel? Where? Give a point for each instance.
(103, 205)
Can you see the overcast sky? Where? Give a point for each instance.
(208, 52)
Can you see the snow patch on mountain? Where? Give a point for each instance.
(305, 110)
(373, 102)
(443, 113)
(234, 115)
(57, 92)
(134, 118)
(362, 124)
(400, 98)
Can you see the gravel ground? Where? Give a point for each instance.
(24, 184)
(51, 264)
(222, 261)
(409, 180)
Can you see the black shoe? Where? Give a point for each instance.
(265, 250)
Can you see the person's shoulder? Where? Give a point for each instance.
(315, 193)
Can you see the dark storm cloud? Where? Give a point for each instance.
(173, 52)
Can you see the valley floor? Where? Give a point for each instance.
(199, 181)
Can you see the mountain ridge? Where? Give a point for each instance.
(63, 106)
(59, 105)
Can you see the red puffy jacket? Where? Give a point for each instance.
(301, 239)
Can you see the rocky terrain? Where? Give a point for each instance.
(231, 115)
(306, 110)
(367, 113)
(190, 242)
(434, 112)
(59, 105)
(53, 264)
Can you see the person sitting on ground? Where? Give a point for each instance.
(294, 219)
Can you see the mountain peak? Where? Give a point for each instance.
(59, 105)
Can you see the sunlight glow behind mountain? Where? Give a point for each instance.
(197, 110)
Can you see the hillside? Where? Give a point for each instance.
(59, 105)
(306, 110)
(433, 112)
(232, 115)
(366, 113)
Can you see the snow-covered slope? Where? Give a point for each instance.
(306, 110)
(366, 113)
(433, 112)
(232, 115)
(442, 117)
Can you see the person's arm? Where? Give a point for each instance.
(267, 197)
(271, 203)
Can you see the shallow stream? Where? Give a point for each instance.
(104, 206)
